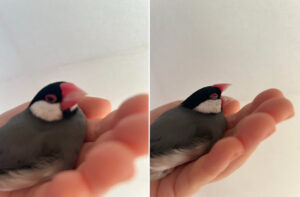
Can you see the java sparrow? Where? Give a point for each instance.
(186, 132)
(43, 139)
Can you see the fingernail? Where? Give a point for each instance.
(270, 132)
(290, 115)
(236, 155)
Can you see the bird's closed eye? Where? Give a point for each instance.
(214, 96)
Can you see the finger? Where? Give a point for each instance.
(9, 114)
(38, 190)
(250, 131)
(88, 145)
(230, 105)
(92, 132)
(97, 128)
(105, 137)
(254, 128)
(16, 193)
(85, 149)
(206, 168)
(133, 132)
(107, 165)
(266, 95)
(108, 135)
(68, 183)
(279, 108)
(155, 113)
(5, 194)
(94, 107)
(133, 105)
(249, 108)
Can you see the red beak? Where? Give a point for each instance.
(71, 95)
(222, 86)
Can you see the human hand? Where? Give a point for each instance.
(108, 153)
(246, 129)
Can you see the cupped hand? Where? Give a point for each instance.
(246, 129)
(113, 141)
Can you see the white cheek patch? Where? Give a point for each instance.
(46, 111)
(210, 106)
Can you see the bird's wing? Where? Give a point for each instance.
(177, 129)
(20, 144)
(180, 137)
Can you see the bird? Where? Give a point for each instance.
(44, 139)
(187, 131)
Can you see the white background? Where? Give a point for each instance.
(252, 44)
(99, 45)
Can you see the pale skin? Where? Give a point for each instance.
(113, 141)
(247, 128)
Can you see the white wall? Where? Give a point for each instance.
(99, 45)
(115, 77)
(253, 44)
(36, 34)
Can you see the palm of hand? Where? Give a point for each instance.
(107, 155)
(246, 129)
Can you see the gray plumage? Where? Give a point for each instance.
(181, 135)
(29, 144)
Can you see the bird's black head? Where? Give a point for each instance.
(51, 94)
(206, 100)
(56, 101)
